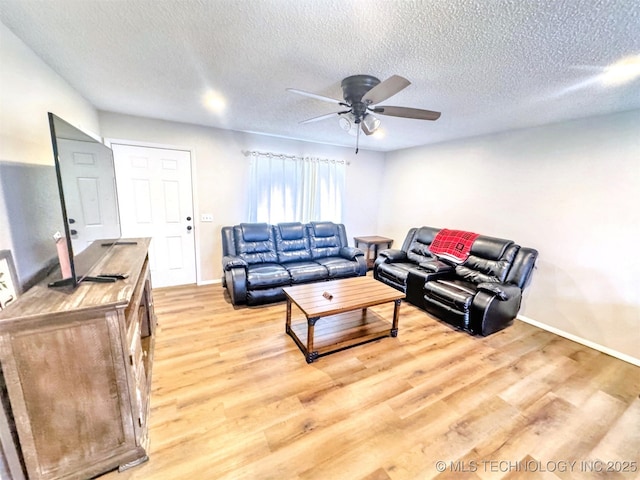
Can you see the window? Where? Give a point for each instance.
(295, 189)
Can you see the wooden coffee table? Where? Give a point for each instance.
(343, 307)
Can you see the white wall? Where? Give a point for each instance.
(221, 171)
(28, 90)
(570, 190)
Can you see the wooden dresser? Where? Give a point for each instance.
(77, 366)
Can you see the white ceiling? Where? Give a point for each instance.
(487, 65)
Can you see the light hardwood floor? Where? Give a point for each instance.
(233, 398)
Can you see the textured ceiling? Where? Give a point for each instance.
(487, 65)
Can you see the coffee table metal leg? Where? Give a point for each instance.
(311, 323)
(396, 315)
(288, 324)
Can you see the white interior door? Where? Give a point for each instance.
(155, 200)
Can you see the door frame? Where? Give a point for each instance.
(194, 193)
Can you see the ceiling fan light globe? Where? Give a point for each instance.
(345, 124)
(371, 122)
(348, 124)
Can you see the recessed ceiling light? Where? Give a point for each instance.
(623, 71)
(214, 101)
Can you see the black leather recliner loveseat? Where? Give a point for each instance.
(481, 295)
(259, 259)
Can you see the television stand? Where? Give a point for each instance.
(89, 351)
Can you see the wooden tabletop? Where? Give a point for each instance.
(373, 239)
(346, 294)
(42, 300)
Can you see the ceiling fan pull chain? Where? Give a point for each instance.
(357, 137)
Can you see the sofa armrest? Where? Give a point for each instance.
(236, 283)
(231, 261)
(437, 266)
(350, 253)
(500, 290)
(392, 255)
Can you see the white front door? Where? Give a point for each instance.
(155, 200)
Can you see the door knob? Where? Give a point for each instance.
(189, 228)
(188, 219)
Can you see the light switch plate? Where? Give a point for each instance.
(206, 217)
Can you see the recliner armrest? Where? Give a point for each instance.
(437, 266)
(502, 291)
(392, 255)
(351, 253)
(231, 261)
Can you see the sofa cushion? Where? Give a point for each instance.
(255, 232)
(493, 267)
(324, 229)
(418, 250)
(339, 267)
(324, 240)
(291, 231)
(261, 275)
(292, 242)
(303, 272)
(254, 243)
(489, 247)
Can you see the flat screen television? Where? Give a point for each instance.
(85, 174)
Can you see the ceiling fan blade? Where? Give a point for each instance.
(322, 117)
(407, 112)
(386, 89)
(314, 95)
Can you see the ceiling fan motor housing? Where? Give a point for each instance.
(355, 87)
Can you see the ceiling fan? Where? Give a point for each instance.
(362, 93)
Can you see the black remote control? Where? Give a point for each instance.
(117, 276)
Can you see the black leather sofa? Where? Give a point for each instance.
(259, 259)
(482, 295)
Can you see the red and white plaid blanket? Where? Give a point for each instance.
(453, 245)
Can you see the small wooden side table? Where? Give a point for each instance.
(375, 242)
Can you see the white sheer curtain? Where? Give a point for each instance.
(286, 188)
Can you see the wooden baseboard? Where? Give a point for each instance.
(583, 341)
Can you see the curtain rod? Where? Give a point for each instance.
(255, 153)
